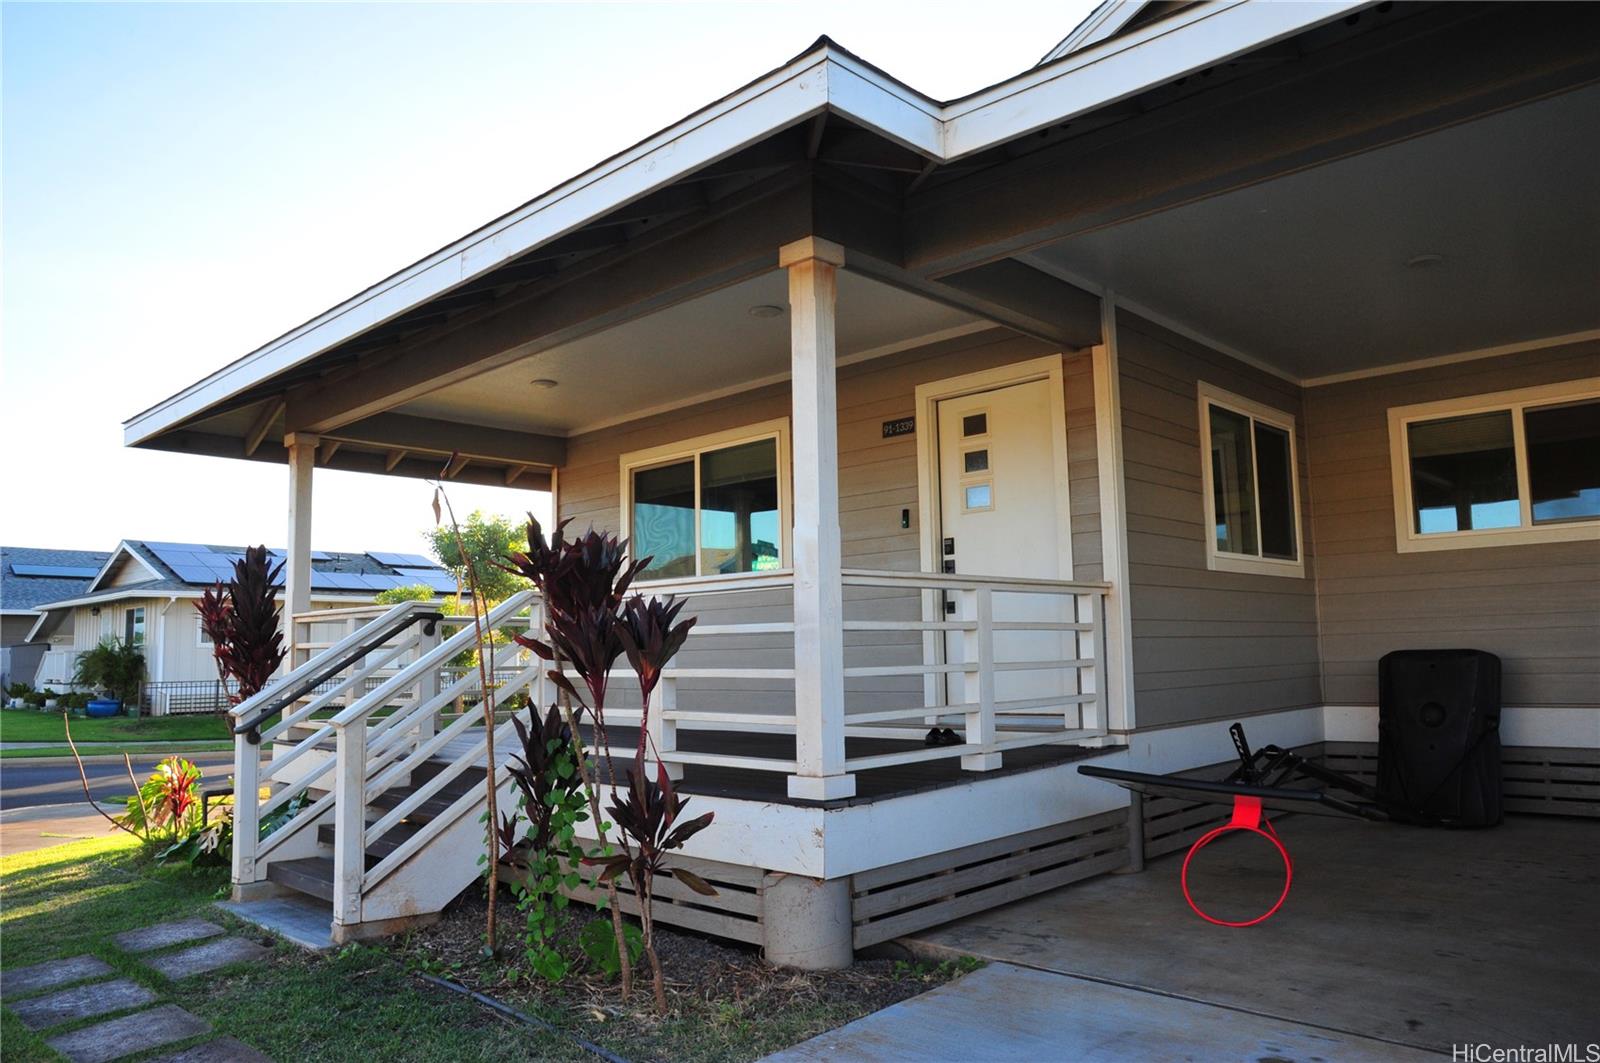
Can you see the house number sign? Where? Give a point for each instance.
(905, 426)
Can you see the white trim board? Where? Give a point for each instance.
(1451, 359)
(1557, 726)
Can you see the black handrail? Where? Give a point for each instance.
(251, 728)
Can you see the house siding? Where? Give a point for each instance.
(1206, 644)
(877, 480)
(1536, 605)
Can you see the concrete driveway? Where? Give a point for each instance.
(1421, 939)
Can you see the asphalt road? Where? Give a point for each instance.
(30, 783)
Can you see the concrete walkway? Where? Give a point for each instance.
(1004, 1013)
(23, 830)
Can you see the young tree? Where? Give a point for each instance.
(480, 542)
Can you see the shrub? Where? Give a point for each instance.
(113, 666)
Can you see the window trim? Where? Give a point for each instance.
(671, 453)
(1222, 561)
(200, 633)
(132, 627)
(1515, 401)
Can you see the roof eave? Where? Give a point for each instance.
(825, 78)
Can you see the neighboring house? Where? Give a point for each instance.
(146, 593)
(1169, 383)
(31, 577)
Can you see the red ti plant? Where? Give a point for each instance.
(582, 582)
(650, 640)
(243, 622)
(647, 812)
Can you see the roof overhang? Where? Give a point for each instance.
(824, 80)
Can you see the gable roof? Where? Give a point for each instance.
(33, 576)
(825, 79)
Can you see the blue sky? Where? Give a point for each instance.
(181, 183)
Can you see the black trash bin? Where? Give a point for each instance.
(1439, 736)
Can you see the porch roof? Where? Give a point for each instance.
(1112, 167)
(639, 190)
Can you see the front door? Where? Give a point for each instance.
(1000, 514)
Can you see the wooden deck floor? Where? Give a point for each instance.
(874, 785)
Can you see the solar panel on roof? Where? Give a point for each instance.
(401, 560)
(58, 571)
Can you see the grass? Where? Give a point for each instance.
(365, 1001)
(31, 725)
(113, 749)
(357, 1005)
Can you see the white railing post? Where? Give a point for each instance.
(350, 821)
(1092, 647)
(664, 732)
(820, 773)
(428, 682)
(246, 809)
(977, 605)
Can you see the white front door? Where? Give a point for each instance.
(1002, 513)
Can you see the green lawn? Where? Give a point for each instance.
(31, 725)
(135, 749)
(360, 1004)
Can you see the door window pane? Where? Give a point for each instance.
(739, 508)
(1232, 481)
(663, 519)
(1463, 473)
(1563, 461)
(1276, 479)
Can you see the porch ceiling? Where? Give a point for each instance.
(1309, 273)
(693, 350)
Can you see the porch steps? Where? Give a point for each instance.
(314, 875)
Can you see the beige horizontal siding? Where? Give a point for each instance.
(877, 480)
(1537, 606)
(1206, 644)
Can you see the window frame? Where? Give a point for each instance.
(1209, 395)
(691, 449)
(1516, 402)
(135, 625)
(200, 634)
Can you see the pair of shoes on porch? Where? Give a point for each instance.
(942, 736)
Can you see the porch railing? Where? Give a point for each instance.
(1002, 663)
(380, 718)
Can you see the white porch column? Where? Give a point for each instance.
(818, 592)
(302, 449)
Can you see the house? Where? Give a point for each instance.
(1168, 383)
(30, 577)
(147, 593)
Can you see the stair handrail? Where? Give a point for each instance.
(462, 640)
(251, 713)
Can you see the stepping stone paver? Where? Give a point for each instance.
(150, 938)
(222, 1050)
(51, 974)
(132, 1033)
(81, 1002)
(208, 957)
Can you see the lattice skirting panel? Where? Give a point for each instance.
(734, 913)
(888, 902)
(1535, 779)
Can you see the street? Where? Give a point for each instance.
(42, 804)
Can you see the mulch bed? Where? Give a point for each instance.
(724, 1001)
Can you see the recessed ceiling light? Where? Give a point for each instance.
(1424, 260)
(766, 310)
(543, 382)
